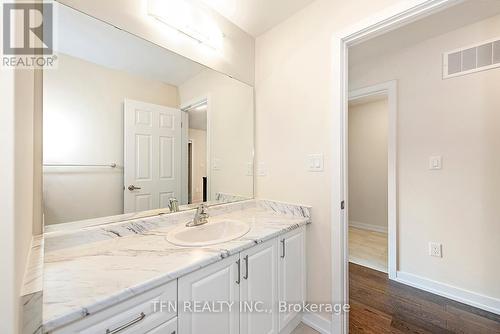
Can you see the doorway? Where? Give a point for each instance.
(424, 99)
(196, 135)
(367, 127)
(371, 177)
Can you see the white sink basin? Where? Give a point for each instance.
(214, 232)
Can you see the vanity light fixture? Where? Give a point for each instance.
(203, 107)
(189, 18)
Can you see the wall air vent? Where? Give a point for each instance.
(480, 57)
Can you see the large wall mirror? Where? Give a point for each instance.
(129, 127)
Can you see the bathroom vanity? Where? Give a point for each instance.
(128, 278)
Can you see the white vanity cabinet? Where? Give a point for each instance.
(259, 289)
(291, 274)
(252, 282)
(216, 283)
(258, 277)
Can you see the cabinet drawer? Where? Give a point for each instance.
(166, 328)
(136, 315)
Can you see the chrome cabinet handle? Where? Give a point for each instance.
(132, 187)
(283, 247)
(246, 267)
(127, 325)
(239, 272)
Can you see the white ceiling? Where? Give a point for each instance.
(445, 21)
(84, 37)
(257, 16)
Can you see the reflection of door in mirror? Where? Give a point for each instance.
(152, 156)
(197, 150)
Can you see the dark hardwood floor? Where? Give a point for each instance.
(379, 305)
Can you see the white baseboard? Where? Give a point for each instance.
(483, 302)
(369, 227)
(317, 322)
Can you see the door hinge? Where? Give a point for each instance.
(342, 205)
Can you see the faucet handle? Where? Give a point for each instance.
(202, 208)
(173, 204)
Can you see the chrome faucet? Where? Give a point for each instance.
(200, 217)
(173, 204)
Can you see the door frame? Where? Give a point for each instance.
(393, 17)
(389, 89)
(190, 169)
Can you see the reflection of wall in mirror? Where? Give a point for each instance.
(230, 114)
(83, 123)
(199, 164)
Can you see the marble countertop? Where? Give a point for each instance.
(88, 270)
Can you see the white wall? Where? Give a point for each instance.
(7, 253)
(83, 123)
(16, 206)
(17, 108)
(459, 119)
(368, 128)
(199, 162)
(230, 129)
(235, 58)
(295, 115)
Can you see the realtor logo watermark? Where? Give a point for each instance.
(246, 307)
(28, 35)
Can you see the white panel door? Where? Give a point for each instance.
(152, 156)
(259, 284)
(215, 283)
(291, 272)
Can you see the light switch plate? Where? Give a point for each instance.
(315, 162)
(435, 162)
(250, 169)
(216, 164)
(261, 169)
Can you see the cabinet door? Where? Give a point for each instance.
(292, 271)
(259, 289)
(213, 284)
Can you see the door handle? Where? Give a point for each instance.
(246, 267)
(127, 325)
(239, 272)
(132, 187)
(283, 248)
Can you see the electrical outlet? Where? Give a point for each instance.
(435, 162)
(435, 249)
